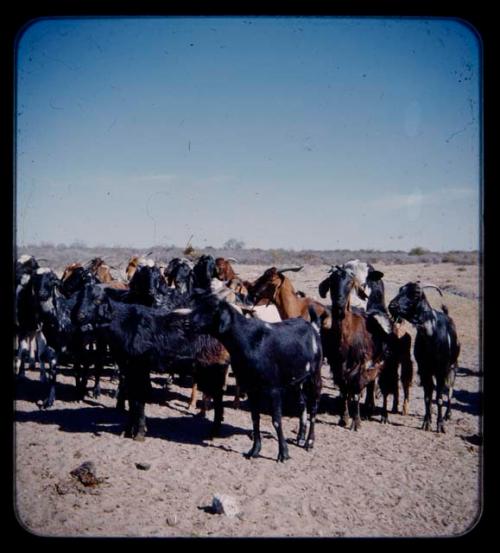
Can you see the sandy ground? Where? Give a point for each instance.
(384, 480)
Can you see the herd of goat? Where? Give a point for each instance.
(197, 319)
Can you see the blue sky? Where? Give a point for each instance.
(318, 133)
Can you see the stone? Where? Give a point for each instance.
(225, 504)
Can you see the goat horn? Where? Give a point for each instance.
(294, 269)
(232, 259)
(431, 286)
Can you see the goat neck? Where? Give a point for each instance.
(287, 302)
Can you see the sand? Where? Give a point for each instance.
(384, 480)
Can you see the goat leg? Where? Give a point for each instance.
(276, 417)
(439, 401)
(218, 413)
(50, 356)
(428, 390)
(257, 444)
(406, 371)
(140, 425)
(194, 393)
(301, 436)
(369, 406)
(344, 417)
(450, 383)
(395, 400)
(385, 416)
(356, 418)
(130, 427)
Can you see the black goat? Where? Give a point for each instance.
(268, 359)
(145, 339)
(204, 271)
(436, 346)
(63, 342)
(148, 287)
(179, 272)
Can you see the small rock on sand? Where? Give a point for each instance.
(225, 504)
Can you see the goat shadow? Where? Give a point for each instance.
(467, 402)
(96, 418)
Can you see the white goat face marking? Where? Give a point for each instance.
(430, 326)
(47, 306)
(182, 311)
(43, 270)
(314, 344)
(358, 268)
(25, 279)
(308, 366)
(356, 301)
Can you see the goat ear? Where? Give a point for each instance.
(224, 321)
(361, 293)
(375, 275)
(324, 287)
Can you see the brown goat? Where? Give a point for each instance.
(100, 270)
(275, 287)
(355, 356)
(224, 270)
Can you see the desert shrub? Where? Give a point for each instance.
(418, 251)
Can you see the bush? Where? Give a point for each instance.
(418, 251)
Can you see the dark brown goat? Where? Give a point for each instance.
(355, 357)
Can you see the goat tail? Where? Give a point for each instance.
(444, 309)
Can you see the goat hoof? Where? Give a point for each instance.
(309, 445)
(282, 457)
(301, 442)
(343, 421)
(384, 419)
(252, 454)
(139, 437)
(440, 429)
(426, 426)
(356, 425)
(45, 404)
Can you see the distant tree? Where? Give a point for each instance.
(233, 244)
(78, 244)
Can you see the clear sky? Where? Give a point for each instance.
(302, 133)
